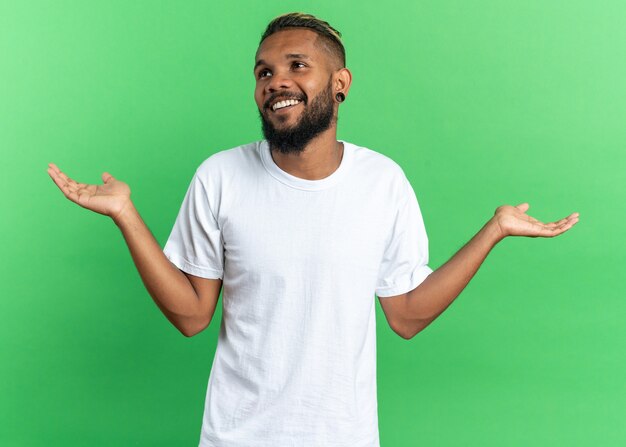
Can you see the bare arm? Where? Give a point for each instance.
(415, 310)
(187, 301)
(428, 300)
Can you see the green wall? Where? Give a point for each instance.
(482, 103)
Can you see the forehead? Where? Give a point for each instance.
(289, 41)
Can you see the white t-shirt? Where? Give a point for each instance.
(301, 262)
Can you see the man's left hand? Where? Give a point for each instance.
(513, 221)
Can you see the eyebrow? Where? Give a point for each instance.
(287, 56)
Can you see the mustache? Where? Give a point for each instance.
(283, 96)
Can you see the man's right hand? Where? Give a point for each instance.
(187, 301)
(111, 199)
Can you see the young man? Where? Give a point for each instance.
(302, 231)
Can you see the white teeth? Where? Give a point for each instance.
(281, 104)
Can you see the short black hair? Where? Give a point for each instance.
(329, 36)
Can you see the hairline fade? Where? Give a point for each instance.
(327, 36)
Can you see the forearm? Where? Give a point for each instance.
(427, 301)
(170, 288)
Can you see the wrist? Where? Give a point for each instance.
(494, 231)
(125, 215)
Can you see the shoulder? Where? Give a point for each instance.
(227, 170)
(230, 165)
(379, 168)
(375, 161)
(228, 160)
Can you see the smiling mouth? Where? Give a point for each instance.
(284, 105)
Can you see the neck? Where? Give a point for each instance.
(319, 159)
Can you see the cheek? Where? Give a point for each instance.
(313, 88)
(258, 98)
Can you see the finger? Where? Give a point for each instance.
(523, 207)
(62, 175)
(69, 190)
(561, 223)
(569, 220)
(54, 168)
(55, 178)
(550, 231)
(544, 230)
(562, 228)
(564, 220)
(66, 178)
(557, 223)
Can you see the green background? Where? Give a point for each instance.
(482, 103)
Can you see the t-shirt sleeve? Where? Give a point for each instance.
(195, 243)
(405, 260)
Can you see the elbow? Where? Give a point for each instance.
(411, 330)
(185, 326)
(189, 330)
(406, 333)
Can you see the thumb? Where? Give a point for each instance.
(523, 207)
(106, 177)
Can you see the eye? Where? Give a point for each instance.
(262, 73)
(298, 63)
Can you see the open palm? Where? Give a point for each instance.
(109, 199)
(513, 221)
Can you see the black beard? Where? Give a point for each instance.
(315, 119)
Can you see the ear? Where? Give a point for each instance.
(342, 81)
